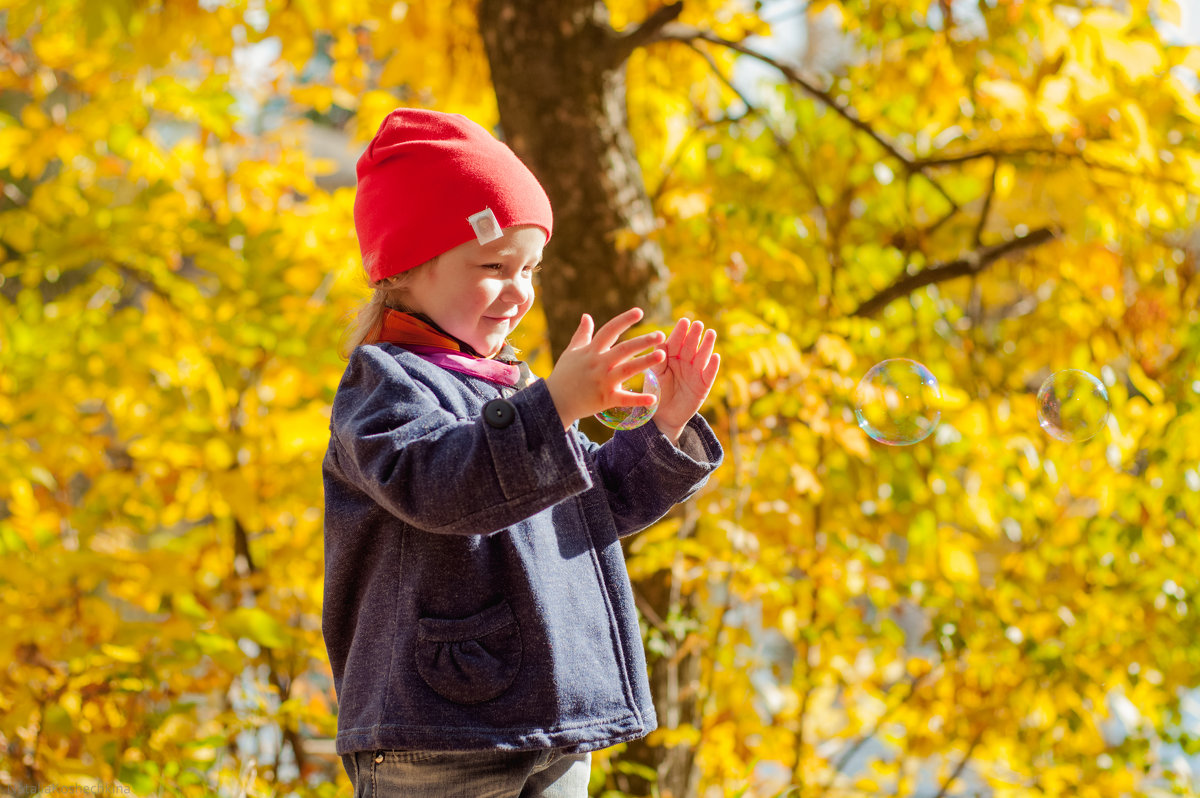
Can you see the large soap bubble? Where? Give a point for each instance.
(898, 402)
(635, 416)
(1072, 405)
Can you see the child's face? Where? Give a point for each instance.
(480, 292)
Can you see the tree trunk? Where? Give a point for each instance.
(560, 86)
(558, 71)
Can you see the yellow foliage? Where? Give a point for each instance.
(172, 288)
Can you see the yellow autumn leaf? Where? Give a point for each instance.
(1140, 127)
(1105, 21)
(314, 96)
(834, 351)
(804, 480)
(669, 738)
(1055, 35)
(957, 561)
(851, 438)
(1137, 60)
(1010, 97)
(1148, 387)
(1052, 100)
(120, 653)
(1169, 11)
(373, 106)
(217, 454)
(1191, 58)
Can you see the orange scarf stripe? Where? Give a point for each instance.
(401, 328)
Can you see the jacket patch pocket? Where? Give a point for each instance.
(471, 660)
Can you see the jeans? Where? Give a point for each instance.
(547, 773)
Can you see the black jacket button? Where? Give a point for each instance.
(499, 413)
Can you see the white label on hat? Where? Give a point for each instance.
(485, 226)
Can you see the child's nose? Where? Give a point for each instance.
(518, 291)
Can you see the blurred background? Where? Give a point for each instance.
(998, 189)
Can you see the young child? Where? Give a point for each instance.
(477, 612)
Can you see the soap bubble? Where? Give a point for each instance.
(636, 416)
(898, 402)
(1072, 405)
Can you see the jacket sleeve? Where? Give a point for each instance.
(645, 475)
(394, 441)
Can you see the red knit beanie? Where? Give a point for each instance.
(430, 181)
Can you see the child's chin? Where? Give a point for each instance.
(490, 348)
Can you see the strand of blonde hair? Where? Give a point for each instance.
(366, 323)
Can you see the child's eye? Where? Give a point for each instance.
(537, 267)
(495, 267)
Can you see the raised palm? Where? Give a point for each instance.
(688, 373)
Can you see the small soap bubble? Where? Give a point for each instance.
(636, 416)
(898, 402)
(1072, 405)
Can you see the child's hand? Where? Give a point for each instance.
(588, 375)
(685, 376)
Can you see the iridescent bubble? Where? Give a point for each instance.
(898, 402)
(1072, 405)
(636, 416)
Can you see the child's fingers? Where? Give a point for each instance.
(629, 348)
(631, 368)
(694, 333)
(675, 341)
(631, 395)
(707, 344)
(636, 365)
(709, 374)
(607, 335)
(583, 333)
(630, 399)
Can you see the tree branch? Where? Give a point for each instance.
(975, 155)
(689, 34)
(973, 263)
(1022, 153)
(648, 31)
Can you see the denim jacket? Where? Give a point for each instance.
(476, 595)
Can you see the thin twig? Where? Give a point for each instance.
(780, 140)
(961, 764)
(987, 205)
